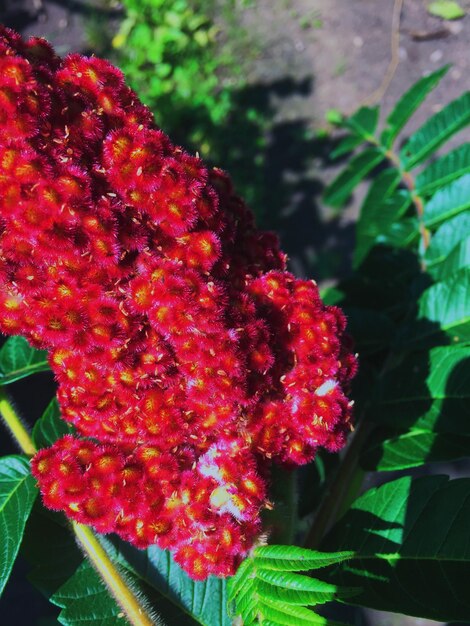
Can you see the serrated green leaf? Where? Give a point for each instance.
(409, 103)
(458, 259)
(435, 131)
(50, 426)
(85, 601)
(363, 122)
(448, 202)
(446, 238)
(292, 615)
(348, 144)
(18, 360)
(205, 601)
(296, 582)
(443, 313)
(413, 553)
(428, 391)
(359, 166)
(447, 9)
(295, 559)
(61, 574)
(444, 170)
(247, 602)
(413, 449)
(294, 595)
(244, 572)
(17, 494)
(380, 212)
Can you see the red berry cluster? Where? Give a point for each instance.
(186, 357)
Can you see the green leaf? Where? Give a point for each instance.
(435, 131)
(265, 583)
(85, 601)
(413, 449)
(444, 170)
(364, 122)
(428, 391)
(18, 360)
(17, 494)
(359, 166)
(348, 144)
(412, 548)
(205, 601)
(292, 615)
(296, 589)
(448, 202)
(60, 572)
(447, 9)
(446, 238)
(295, 559)
(459, 258)
(380, 212)
(50, 426)
(443, 313)
(409, 103)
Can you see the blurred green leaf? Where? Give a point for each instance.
(435, 131)
(444, 170)
(448, 202)
(447, 9)
(409, 103)
(359, 166)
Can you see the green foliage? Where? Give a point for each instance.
(266, 590)
(411, 550)
(168, 52)
(18, 360)
(60, 572)
(447, 9)
(50, 426)
(17, 495)
(409, 304)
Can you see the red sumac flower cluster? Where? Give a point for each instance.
(187, 358)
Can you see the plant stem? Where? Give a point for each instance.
(127, 600)
(131, 605)
(409, 182)
(346, 484)
(16, 426)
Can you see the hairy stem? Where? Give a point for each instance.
(15, 425)
(131, 605)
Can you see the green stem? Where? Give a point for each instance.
(131, 605)
(16, 426)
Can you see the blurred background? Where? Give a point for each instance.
(252, 86)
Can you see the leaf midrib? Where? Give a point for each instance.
(11, 493)
(4, 378)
